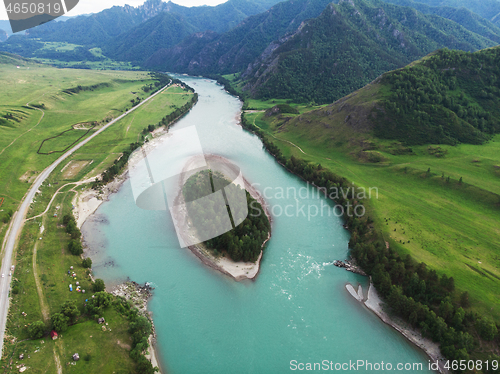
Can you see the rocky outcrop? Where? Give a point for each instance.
(349, 265)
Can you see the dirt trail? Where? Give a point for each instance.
(58, 362)
(282, 140)
(43, 305)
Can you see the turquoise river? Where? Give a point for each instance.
(296, 309)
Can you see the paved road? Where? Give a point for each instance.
(18, 220)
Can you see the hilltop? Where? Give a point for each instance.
(448, 97)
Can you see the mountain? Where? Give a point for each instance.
(463, 16)
(448, 97)
(3, 35)
(164, 30)
(349, 45)
(99, 28)
(230, 52)
(488, 9)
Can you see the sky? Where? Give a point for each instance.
(95, 6)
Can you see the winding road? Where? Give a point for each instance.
(18, 219)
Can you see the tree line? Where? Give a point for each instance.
(420, 296)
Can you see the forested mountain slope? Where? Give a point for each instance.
(489, 9)
(463, 16)
(349, 45)
(99, 28)
(448, 97)
(207, 53)
(165, 29)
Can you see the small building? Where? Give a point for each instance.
(53, 335)
(101, 320)
(76, 357)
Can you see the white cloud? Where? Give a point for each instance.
(95, 6)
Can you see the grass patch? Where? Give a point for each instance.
(62, 142)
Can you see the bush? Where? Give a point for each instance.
(6, 218)
(75, 247)
(98, 285)
(66, 219)
(59, 322)
(87, 263)
(486, 328)
(72, 229)
(36, 330)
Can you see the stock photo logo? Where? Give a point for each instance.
(24, 15)
(202, 192)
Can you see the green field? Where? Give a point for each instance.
(37, 84)
(41, 296)
(451, 226)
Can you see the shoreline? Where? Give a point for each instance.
(86, 202)
(140, 297)
(373, 302)
(238, 271)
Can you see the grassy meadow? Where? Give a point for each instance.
(43, 86)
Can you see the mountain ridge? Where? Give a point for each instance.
(349, 45)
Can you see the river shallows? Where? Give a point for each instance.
(297, 309)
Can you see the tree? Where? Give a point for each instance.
(71, 226)
(99, 301)
(36, 329)
(59, 322)
(66, 219)
(102, 299)
(70, 310)
(486, 328)
(464, 299)
(98, 285)
(75, 247)
(87, 263)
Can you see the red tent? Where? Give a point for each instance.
(53, 335)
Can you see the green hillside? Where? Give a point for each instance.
(140, 42)
(351, 44)
(489, 9)
(463, 16)
(233, 50)
(447, 98)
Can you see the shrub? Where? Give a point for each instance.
(59, 322)
(87, 263)
(98, 285)
(36, 329)
(75, 247)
